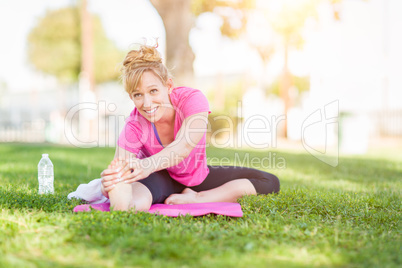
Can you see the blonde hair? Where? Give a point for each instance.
(138, 61)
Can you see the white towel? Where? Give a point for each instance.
(90, 192)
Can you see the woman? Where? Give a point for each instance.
(160, 157)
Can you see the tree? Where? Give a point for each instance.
(54, 47)
(178, 21)
(178, 17)
(288, 24)
(234, 14)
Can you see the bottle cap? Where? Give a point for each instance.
(45, 155)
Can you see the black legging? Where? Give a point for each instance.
(161, 185)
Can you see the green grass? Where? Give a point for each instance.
(348, 216)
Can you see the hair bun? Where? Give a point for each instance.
(145, 55)
(140, 60)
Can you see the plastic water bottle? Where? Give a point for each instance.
(45, 175)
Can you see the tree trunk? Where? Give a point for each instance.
(284, 89)
(87, 125)
(178, 21)
(87, 58)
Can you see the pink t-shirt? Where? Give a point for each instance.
(139, 138)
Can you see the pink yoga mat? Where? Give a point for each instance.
(227, 209)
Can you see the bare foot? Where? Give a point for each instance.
(186, 197)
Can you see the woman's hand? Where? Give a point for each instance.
(136, 169)
(112, 175)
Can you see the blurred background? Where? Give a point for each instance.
(307, 74)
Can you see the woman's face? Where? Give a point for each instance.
(151, 97)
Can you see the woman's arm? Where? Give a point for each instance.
(189, 135)
(191, 132)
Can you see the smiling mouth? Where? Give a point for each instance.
(151, 111)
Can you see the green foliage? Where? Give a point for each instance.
(347, 216)
(233, 14)
(54, 47)
(225, 116)
(301, 83)
(290, 20)
(232, 93)
(107, 56)
(54, 44)
(201, 6)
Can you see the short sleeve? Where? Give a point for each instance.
(194, 103)
(130, 138)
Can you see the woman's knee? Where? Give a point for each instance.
(120, 196)
(130, 197)
(275, 182)
(140, 205)
(141, 197)
(266, 184)
(134, 204)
